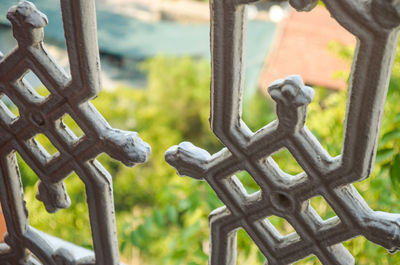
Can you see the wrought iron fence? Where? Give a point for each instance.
(374, 23)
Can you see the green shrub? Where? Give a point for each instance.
(161, 217)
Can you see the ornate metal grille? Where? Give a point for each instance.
(375, 24)
(39, 115)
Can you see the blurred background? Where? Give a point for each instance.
(155, 59)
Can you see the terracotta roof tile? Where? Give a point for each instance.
(302, 48)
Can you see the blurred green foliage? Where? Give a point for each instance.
(161, 217)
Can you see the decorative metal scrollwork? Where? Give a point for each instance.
(375, 23)
(44, 115)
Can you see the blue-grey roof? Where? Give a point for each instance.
(126, 37)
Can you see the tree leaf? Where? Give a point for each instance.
(200, 254)
(123, 245)
(389, 136)
(172, 214)
(158, 218)
(134, 239)
(397, 118)
(190, 231)
(395, 171)
(384, 154)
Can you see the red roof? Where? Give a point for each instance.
(3, 228)
(302, 48)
